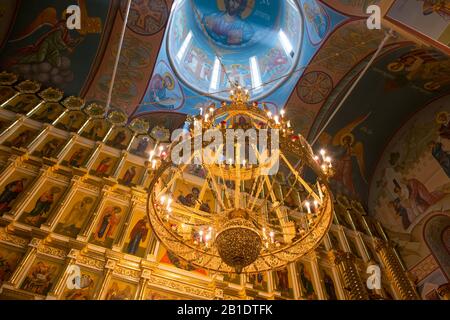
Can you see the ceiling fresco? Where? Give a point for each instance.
(40, 47)
(389, 141)
(141, 43)
(344, 48)
(426, 18)
(410, 190)
(392, 90)
(257, 49)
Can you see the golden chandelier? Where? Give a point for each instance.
(239, 216)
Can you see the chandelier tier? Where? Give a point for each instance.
(234, 215)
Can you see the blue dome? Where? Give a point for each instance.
(212, 44)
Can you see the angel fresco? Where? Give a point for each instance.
(348, 150)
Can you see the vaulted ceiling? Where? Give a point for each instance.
(302, 55)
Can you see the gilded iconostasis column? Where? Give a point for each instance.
(39, 138)
(143, 282)
(98, 207)
(108, 270)
(120, 164)
(66, 147)
(93, 156)
(345, 262)
(334, 269)
(316, 274)
(395, 272)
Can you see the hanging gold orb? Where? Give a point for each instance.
(238, 243)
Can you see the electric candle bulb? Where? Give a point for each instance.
(328, 159)
(322, 152)
(282, 112)
(153, 164)
(308, 206)
(272, 235)
(269, 114)
(316, 204)
(162, 199)
(275, 118)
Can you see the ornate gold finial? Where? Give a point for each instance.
(239, 95)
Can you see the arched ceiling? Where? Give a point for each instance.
(306, 69)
